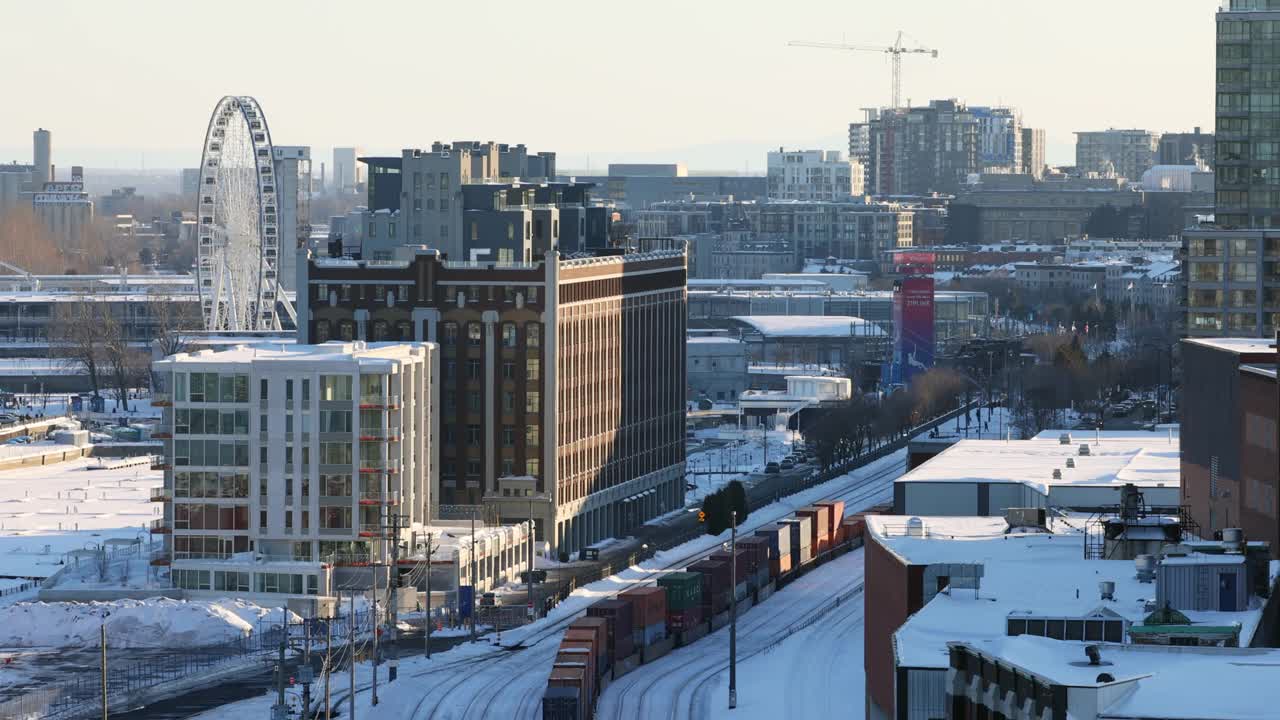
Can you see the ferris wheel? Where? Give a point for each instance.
(239, 244)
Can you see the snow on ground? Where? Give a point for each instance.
(986, 424)
(783, 671)
(482, 680)
(151, 623)
(48, 510)
(743, 453)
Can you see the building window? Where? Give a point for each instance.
(532, 467)
(533, 335)
(473, 334)
(531, 435)
(473, 468)
(508, 402)
(473, 369)
(450, 332)
(508, 467)
(473, 435)
(532, 402)
(508, 371)
(473, 401)
(508, 436)
(532, 370)
(508, 335)
(335, 388)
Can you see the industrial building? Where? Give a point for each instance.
(937, 583)
(562, 380)
(1056, 469)
(1229, 443)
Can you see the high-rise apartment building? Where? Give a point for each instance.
(562, 380)
(1193, 148)
(809, 175)
(999, 139)
(1116, 153)
(921, 150)
(1033, 144)
(281, 460)
(293, 200)
(1232, 267)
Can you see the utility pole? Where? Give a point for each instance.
(532, 612)
(393, 587)
(733, 610)
(351, 653)
(426, 634)
(103, 642)
(474, 585)
(328, 662)
(279, 710)
(373, 623)
(306, 663)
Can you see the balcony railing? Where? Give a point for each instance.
(371, 530)
(160, 526)
(377, 498)
(380, 435)
(348, 559)
(379, 401)
(379, 466)
(162, 435)
(161, 494)
(161, 400)
(160, 465)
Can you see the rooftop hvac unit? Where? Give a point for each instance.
(1084, 449)
(1064, 439)
(1057, 473)
(1233, 536)
(1071, 462)
(1031, 517)
(1107, 590)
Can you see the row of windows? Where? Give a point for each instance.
(472, 293)
(211, 453)
(210, 485)
(210, 387)
(215, 547)
(203, 516)
(507, 467)
(210, 422)
(345, 292)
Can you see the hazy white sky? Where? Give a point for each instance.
(709, 82)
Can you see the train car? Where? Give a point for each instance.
(619, 628)
(648, 614)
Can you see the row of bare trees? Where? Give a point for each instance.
(865, 423)
(90, 336)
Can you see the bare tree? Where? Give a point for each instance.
(77, 336)
(172, 319)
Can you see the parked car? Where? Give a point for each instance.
(772, 468)
(787, 464)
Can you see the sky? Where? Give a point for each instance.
(711, 83)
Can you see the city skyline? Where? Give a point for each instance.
(739, 89)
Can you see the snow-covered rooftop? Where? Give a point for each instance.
(712, 340)
(291, 352)
(1142, 458)
(1174, 683)
(1239, 345)
(811, 326)
(1039, 574)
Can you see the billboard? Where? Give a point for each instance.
(913, 345)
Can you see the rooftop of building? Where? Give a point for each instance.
(289, 352)
(712, 340)
(1115, 458)
(803, 326)
(1173, 683)
(789, 281)
(1031, 574)
(1237, 345)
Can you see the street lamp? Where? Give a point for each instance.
(733, 610)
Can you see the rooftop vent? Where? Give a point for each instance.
(1057, 473)
(1233, 536)
(1146, 567)
(1071, 462)
(1094, 654)
(1064, 439)
(1084, 449)
(1107, 590)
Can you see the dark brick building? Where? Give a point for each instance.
(561, 388)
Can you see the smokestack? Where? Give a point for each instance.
(42, 158)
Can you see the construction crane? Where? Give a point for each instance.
(895, 52)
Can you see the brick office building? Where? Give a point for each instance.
(561, 386)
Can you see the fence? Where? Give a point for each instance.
(82, 697)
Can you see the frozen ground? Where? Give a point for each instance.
(48, 510)
(151, 623)
(743, 452)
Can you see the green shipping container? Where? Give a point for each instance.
(684, 590)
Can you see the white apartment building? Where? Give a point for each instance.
(809, 175)
(284, 463)
(293, 198)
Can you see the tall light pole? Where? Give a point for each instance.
(733, 609)
(426, 632)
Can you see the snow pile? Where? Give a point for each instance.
(155, 622)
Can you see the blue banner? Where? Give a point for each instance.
(466, 598)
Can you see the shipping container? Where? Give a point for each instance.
(761, 552)
(741, 561)
(561, 703)
(648, 606)
(684, 590)
(682, 620)
(599, 645)
(779, 539)
(819, 531)
(581, 652)
(654, 633)
(617, 614)
(715, 586)
(855, 526)
(575, 677)
(837, 511)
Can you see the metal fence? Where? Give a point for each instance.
(82, 697)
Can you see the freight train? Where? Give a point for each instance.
(644, 623)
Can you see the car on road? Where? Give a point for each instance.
(787, 464)
(772, 468)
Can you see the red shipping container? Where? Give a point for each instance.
(855, 526)
(761, 550)
(648, 606)
(577, 657)
(599, 645)
(575, 677)
(716, 577)
(582, 650)
(742, 564)
(619, 630)
(681, 620)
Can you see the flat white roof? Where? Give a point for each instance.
(712, 340)
(1033, 574)
(1142, 458)
(1237, 345)
(811, 326)
(290, 352)
(1173, 683)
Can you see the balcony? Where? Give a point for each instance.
(380, 435)
(389, 467)
(161, 465)
(377, 498)
(368, 402)
(161, 436)
(160, 526)
(371, 530)
(161, 494)
(161, 561)
(161, 400)
(347, 559)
